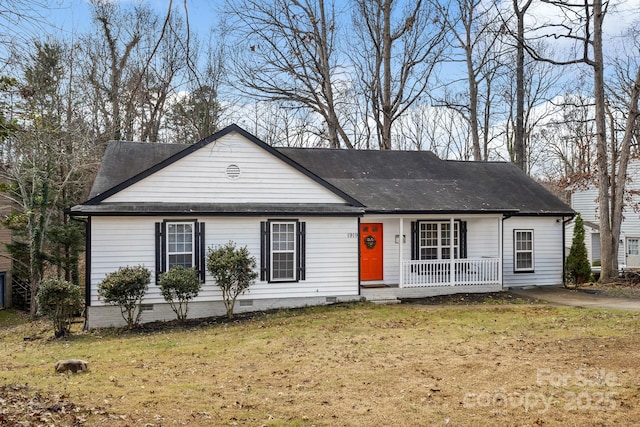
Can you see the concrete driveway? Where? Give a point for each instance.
(560, 295)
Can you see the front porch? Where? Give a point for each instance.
(429, 256)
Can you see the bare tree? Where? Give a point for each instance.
(582, 24)
(196, 112)
(396, 54)
(289, 56)
(110, 73)
(475, 35)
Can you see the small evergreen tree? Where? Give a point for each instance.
(578, 267)
(233, 270)
(126, 288)
(59, 300)
(178, 286)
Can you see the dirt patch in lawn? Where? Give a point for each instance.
(490, 298)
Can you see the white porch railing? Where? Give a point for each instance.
(468, 271)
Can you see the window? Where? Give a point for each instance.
(523, 250)
(180, 242)
(283, 250)
(633, 247)
(282, 255)
(434, 240)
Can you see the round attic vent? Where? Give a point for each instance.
(233, 172)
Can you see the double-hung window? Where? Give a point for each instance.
(282, 257)
(180, 243)
(434, 240)
(523, 260)
(283, 250)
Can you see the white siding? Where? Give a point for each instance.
(586, 202)
(200, 177)
(547, 251)
(483, 237)
(331, 254)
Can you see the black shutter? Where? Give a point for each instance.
(200, 250)
(160, 249)
(301, 252)
(463, 239)
(264, 251)
(415, 240)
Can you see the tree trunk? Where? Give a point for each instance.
(608, 247)
(473, 101)
(386, 75)
(519, 151)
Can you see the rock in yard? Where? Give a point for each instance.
(73, 365)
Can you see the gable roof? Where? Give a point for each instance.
(378, 181)
(126, 163)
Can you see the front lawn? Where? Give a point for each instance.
(345, 365)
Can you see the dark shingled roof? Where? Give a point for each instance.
(123, 160)
(410, 181)
(382, 181)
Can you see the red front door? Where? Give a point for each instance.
(371, 251)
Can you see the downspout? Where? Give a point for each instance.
(401, 246)
(359, 260)
(452, 264)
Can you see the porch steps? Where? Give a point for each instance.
(384, 295)
(384, 301)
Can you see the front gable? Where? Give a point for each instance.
(228, 167)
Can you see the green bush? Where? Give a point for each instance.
(233, 270)
(578, 267)
(178, 286)
(126, 288)
(59, 300)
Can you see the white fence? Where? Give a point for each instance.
(469, 271)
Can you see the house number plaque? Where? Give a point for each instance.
(370, 241)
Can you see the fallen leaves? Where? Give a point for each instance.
(19, 405)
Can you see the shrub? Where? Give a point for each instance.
(578, 268)
(59, 300)
(180, 285)
(126, 288)
(233, 271)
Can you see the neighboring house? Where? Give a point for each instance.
(585, 201)
(324, 225)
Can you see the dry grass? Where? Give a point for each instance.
(355, 365)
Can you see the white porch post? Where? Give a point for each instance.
(500, 247)
(451, 257)
(400, 247)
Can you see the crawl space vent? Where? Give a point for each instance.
(233, 172)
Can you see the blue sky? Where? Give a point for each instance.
(74, 16)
